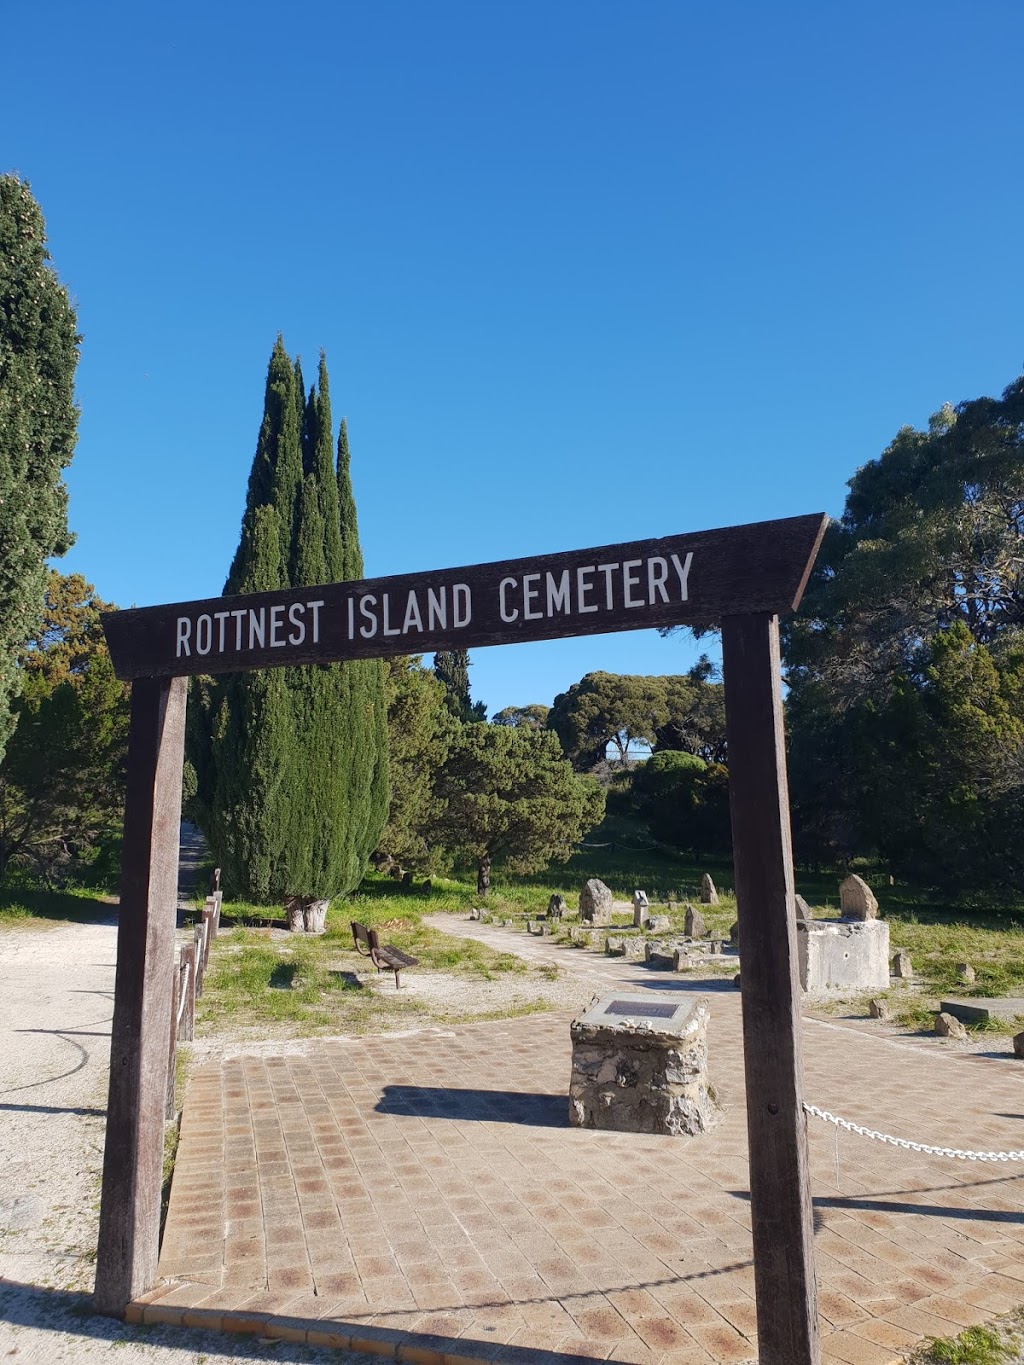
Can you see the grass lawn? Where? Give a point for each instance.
(31, 908)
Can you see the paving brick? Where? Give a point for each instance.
(435, 1226)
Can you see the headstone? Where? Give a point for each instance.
(640, 1065)
(406, 881)
(694, 925)
(659, 924)
(1018, 1044)
(557, 907)
(635, 949)
(641, 909)
(803, 910)
(856, 899)
(314, 917)
(736, 981)
(474, 913)
(879, 1009)
(843, 955)
(965, 972)
(615, 945)
(901, 966)
(714, 947)
(734, 934)
(946, 1026)
(428, 885)
(596, 903)
(681, 961)
(708, 894)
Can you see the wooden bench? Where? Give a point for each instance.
(381, 954)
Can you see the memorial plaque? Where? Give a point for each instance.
(656, 1009)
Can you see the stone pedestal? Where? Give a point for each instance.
(843, 954)
(639, 1065)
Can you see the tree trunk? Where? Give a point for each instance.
(483, 875)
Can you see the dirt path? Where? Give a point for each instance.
(56, 1001)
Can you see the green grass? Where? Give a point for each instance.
(24, 907)
(974, 1346)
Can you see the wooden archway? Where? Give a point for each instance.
(739, 577)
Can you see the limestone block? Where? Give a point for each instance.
(843, 955)
(856, 899)
(901, 965)
(694, 924)
(947, 1026)
(557, 908)
(596, 903)
(659, 923)
(965, 972)
(640, 1065)
(708, 893)
(879, 1009)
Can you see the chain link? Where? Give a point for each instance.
(906, 1144)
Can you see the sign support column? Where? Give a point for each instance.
(126, 1259)
(780, 1195)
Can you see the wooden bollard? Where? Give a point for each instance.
(169, 1106)
(187, 1026)
(213, 906)
(200, 952)
(207, 933)
(215, 881)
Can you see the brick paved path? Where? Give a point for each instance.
(423, 1196)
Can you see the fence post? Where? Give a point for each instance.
(169, 1108)
(188, 976)
(200, 952)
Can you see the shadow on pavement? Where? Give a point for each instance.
(485, 1106)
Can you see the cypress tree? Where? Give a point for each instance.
(291, 774)
(38, 425)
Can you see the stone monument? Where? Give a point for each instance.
(846, 954)
(596, 903)
(641, 909)
(708, 891)
(639, 1065)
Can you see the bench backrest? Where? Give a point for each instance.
(362, 935)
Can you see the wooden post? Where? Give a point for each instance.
(200, 951)
(188, 1015)
(172, 1050)
(127, 1253)
(780, 1195)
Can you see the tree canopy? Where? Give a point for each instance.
(62, 777)
(38, 426)
(904, 704)
(507, 795)
(683, 712)
(289, 771)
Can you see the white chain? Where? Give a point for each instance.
(906, 1144)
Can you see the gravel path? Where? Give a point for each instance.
(56, 1002)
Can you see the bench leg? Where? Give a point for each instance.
(398, 978)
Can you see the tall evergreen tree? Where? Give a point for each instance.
(38, 424)
(451, 666)
(290, 765)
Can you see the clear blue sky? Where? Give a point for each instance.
(584, 271)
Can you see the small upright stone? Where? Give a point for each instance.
(659, 924)
(965, 973)
(946, 1026)
(734, 934)
(879, 1009)
(1018, 1044)
(596, 902)
(474, 913)
(856, 899)
(901, 966)
(641, 909)
(693, 925)
(708, 893)
(803, 910)
(557, 907)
